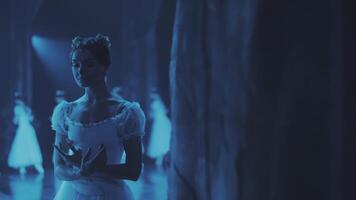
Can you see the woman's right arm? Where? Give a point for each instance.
(62, 170)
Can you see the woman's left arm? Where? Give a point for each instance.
(131, 169)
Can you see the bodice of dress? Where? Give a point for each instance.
(85, 137)
(22, 115)
(110, 132)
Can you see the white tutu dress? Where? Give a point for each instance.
(111, 132)
(25, 150)
(159, 141)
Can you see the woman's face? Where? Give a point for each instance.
(86, 69)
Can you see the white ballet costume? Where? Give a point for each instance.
(159, 142)
(25, 150)
(111, 132)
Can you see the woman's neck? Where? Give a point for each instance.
(97, 93)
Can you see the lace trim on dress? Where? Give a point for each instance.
(92, 124)
(114, 118)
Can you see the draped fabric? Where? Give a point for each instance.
(263, 100)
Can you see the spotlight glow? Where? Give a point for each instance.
(53, 54)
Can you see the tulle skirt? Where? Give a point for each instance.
(160, 136)
(25, 150)
(93, 190)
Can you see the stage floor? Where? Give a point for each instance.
(152, 185)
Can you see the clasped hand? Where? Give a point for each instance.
(86, 163)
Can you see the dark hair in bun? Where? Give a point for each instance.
(98, 46)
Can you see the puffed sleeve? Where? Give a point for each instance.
(134, 124)
(58, 118)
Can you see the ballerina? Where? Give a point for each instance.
(158, 145)
(98, 128)
(25, 150)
